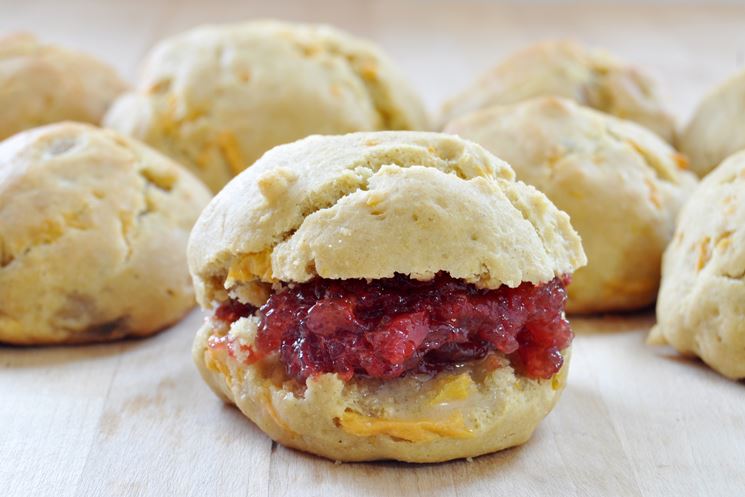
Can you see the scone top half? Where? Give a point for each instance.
(368, 294)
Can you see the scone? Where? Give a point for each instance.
(621, 185)
(93, 232)
(701, 304)
(590, 76)
(389, 295)
(42, 84)
(717, 128)
(217, 97)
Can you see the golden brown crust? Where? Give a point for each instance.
(41, 84)
(217, 97)
(701, 303)
(369, 205)
(93, 231)
(563, 68)
(621, 185)
(716, 129)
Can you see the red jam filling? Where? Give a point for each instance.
(389, 327)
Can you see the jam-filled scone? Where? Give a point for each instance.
(717, 128)
(42, 84)
(389, 295)
(93, 232)
(621, 185)
(701, 303)
(563, 68)
(217, 97)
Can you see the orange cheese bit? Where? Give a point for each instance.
(654, 193)
(458, 388)
(556, 382)
(412, 431)
(704, 253)
(213, 364)
(723, 241)
(369, 71)
(231, 151)
(681, 161)
(251, 266)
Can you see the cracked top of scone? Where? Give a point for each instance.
(621, 184)
(218, 97)
(550, 132)
(44, 83)
(701, 302)
(373, 205)
(93, 231)
(564, 68)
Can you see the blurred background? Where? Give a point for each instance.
(440, 44)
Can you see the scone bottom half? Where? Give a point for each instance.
(362, 359)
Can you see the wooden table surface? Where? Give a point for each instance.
(134, 418)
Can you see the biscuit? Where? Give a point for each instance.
(366, 207)
(42, 84)
(369, 205)
(621, 185)
(217, 97)
(93, 232)
(701, 303)
(403, 419)
(591, 77)
(716, 129)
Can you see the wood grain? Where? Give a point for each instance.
(134, 418)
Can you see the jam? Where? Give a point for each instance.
(389, 327)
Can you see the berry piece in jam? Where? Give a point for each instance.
(389, 327)
(232, 310)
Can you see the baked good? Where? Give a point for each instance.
(563, 68)
(385, 295)
(217, 97)
(93, 232)
(621, 185)
(41, 84)
(702, 297)
(716, 129)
